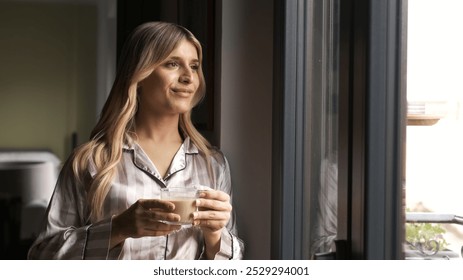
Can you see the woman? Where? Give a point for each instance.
(106, 202)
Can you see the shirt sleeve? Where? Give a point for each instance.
(66, 232)
(231, 246)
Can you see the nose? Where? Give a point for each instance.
(186, 76)
(185, 79)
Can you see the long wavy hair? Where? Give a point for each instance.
(147, 46)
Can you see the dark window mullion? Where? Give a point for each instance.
(385, 131)
(288, 130)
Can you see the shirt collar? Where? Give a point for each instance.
(141, 160)
(188, 146)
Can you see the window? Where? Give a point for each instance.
(338, 130)
(305, 131)
(434, 147)
(321, 128)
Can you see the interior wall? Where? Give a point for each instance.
(47, 74)
(246, 116)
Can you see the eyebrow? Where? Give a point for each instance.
(179, 58)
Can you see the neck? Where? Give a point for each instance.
(159, 130)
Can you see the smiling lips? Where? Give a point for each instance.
(182, 91)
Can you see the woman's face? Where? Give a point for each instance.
(170, 88)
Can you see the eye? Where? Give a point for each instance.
(194, 67)
(172, 64)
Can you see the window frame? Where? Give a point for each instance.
(372, 116)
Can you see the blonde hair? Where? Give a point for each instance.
(147, 46)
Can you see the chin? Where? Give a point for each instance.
(183, 109)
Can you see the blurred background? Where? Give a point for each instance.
(57, 65)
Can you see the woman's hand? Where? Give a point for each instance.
(144, 218)
(214, 214)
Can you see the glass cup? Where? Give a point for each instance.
(184, 199)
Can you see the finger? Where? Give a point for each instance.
(214, 194)
(213, 205)
(211, 215)
(211, 224)
(158, 233)
(156, 203)
(157, 215)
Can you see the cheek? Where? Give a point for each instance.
(158, 90)
(196, 83)
(159, 81)
(196, 88)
